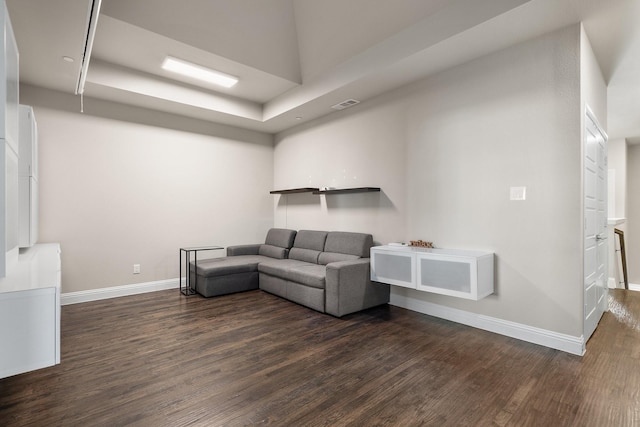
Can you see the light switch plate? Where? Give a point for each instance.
(518, 193)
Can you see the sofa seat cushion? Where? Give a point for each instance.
(296, 271)
(278, 268)
(312, 275)
(229, 265)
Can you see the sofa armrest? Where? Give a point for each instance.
(243, 249)
(349, 288)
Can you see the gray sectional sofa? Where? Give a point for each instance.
(326, 271)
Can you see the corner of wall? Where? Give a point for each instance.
(593, 88)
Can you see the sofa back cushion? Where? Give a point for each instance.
(345, 246)
(277, 243)
(280, 237)
(308, 245)
(306, 255)
(273, 251)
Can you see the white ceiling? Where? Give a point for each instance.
(297, 58)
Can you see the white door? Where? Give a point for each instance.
(595, 225)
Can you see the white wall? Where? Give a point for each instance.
(445, 152)
(122, 186)
(617, 207)
(360, 148)
(593, 88)
(632, 235)
(618, 172)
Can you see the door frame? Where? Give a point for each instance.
(602, 299)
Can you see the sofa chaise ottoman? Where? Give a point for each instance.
(238, 271)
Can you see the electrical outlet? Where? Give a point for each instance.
(136, 268)
(518, 193)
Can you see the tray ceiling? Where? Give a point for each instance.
(297, 58)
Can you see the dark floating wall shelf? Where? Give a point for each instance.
(314, 190)
(296, 190)
(348, 190)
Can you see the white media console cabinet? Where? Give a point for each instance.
(30, 311)
(459, 273)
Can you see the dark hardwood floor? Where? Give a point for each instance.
(160, 359)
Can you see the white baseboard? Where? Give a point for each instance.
(634, 287)
(117, 291)
(563, 342)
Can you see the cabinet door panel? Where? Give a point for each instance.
(27, 328)
(393, 268)
(445, 274)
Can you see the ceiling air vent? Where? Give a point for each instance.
(345, 104)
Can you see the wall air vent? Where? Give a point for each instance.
(345, 104)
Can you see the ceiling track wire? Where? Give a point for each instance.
(88, 45)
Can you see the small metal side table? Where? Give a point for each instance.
(188, 289)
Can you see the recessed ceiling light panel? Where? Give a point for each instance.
(198, 72)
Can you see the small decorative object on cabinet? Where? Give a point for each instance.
(459, 273)
(421, 244)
